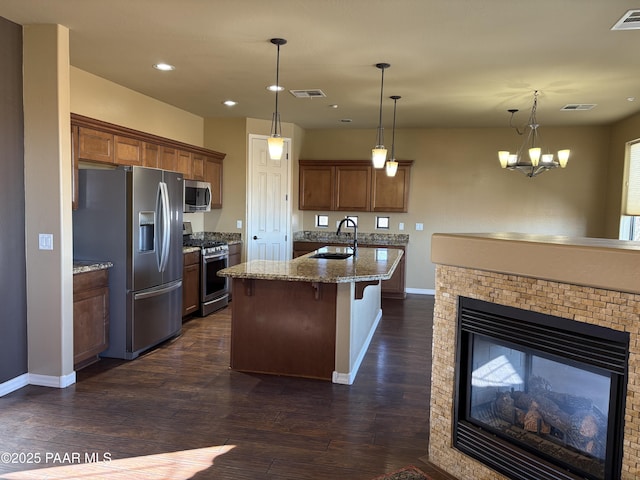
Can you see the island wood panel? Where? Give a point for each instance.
(295, 336)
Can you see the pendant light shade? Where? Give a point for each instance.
(379, 152)
(275, 142)
(392, 165)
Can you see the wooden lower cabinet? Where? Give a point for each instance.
(392, 288)
(191, 283)
(90, 316)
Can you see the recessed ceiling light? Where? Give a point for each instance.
(230, 103)
(631, 99)
(274, 88)
(165, 67)
(335, 105)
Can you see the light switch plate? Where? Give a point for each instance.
(238, 223)
(419, 227)
(401, 226)
(45, 241)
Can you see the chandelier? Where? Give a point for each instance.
(379, 152)
(275, 142)
(535, 162)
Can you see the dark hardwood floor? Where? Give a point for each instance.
(178, 412)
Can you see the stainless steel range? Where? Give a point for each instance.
(214, 256)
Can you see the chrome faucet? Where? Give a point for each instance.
(355, 232)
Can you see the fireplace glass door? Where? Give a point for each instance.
(539, 397)
(558, 409)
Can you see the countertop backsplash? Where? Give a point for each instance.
(219, 236)
(391, 239)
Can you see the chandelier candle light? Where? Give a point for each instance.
(537, 162)
(275, 141)
(392, 165)
(379, 153)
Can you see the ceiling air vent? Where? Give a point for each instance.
(578, 106)
(629, 21)
(313, 93)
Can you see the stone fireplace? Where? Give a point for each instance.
(593, 286)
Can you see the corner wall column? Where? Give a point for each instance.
(47, 159)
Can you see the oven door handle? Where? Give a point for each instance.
(215, 256)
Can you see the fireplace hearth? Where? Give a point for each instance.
(539, 397)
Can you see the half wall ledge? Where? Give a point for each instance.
(592, 262)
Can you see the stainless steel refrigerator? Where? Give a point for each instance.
(132, 216)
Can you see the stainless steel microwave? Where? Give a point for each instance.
(197, 196)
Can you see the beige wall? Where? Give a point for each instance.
(458, 186)
(622, 132)
(95, 97)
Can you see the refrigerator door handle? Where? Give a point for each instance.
(166, 226)
(158, 291)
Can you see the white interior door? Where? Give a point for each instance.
(269, 208)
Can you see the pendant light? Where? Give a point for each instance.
(275, 141)
(392, 165)
(379, 153)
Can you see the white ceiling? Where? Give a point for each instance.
(455, 63)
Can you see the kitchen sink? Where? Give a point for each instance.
(332, 255)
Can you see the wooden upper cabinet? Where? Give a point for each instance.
(391, 194)
(168, 159)
(128, 151)
(150, 155)
(353, 188)
(183, 163)
(213, 175)
(352, 185)
(95, 145)
(197, 166)
(317, 186)
(97, 141)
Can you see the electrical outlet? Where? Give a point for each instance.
(401, 226)
(419, 227)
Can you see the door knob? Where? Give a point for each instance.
(255, 237)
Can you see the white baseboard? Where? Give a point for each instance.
(14, 384)
(420, 291)
(348, 378)
(52, 381)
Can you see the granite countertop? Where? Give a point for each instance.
(369, 264)
(84, 266)
(387, 239)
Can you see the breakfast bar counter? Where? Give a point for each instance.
(308, 317)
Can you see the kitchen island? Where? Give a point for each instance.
(308, 317)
